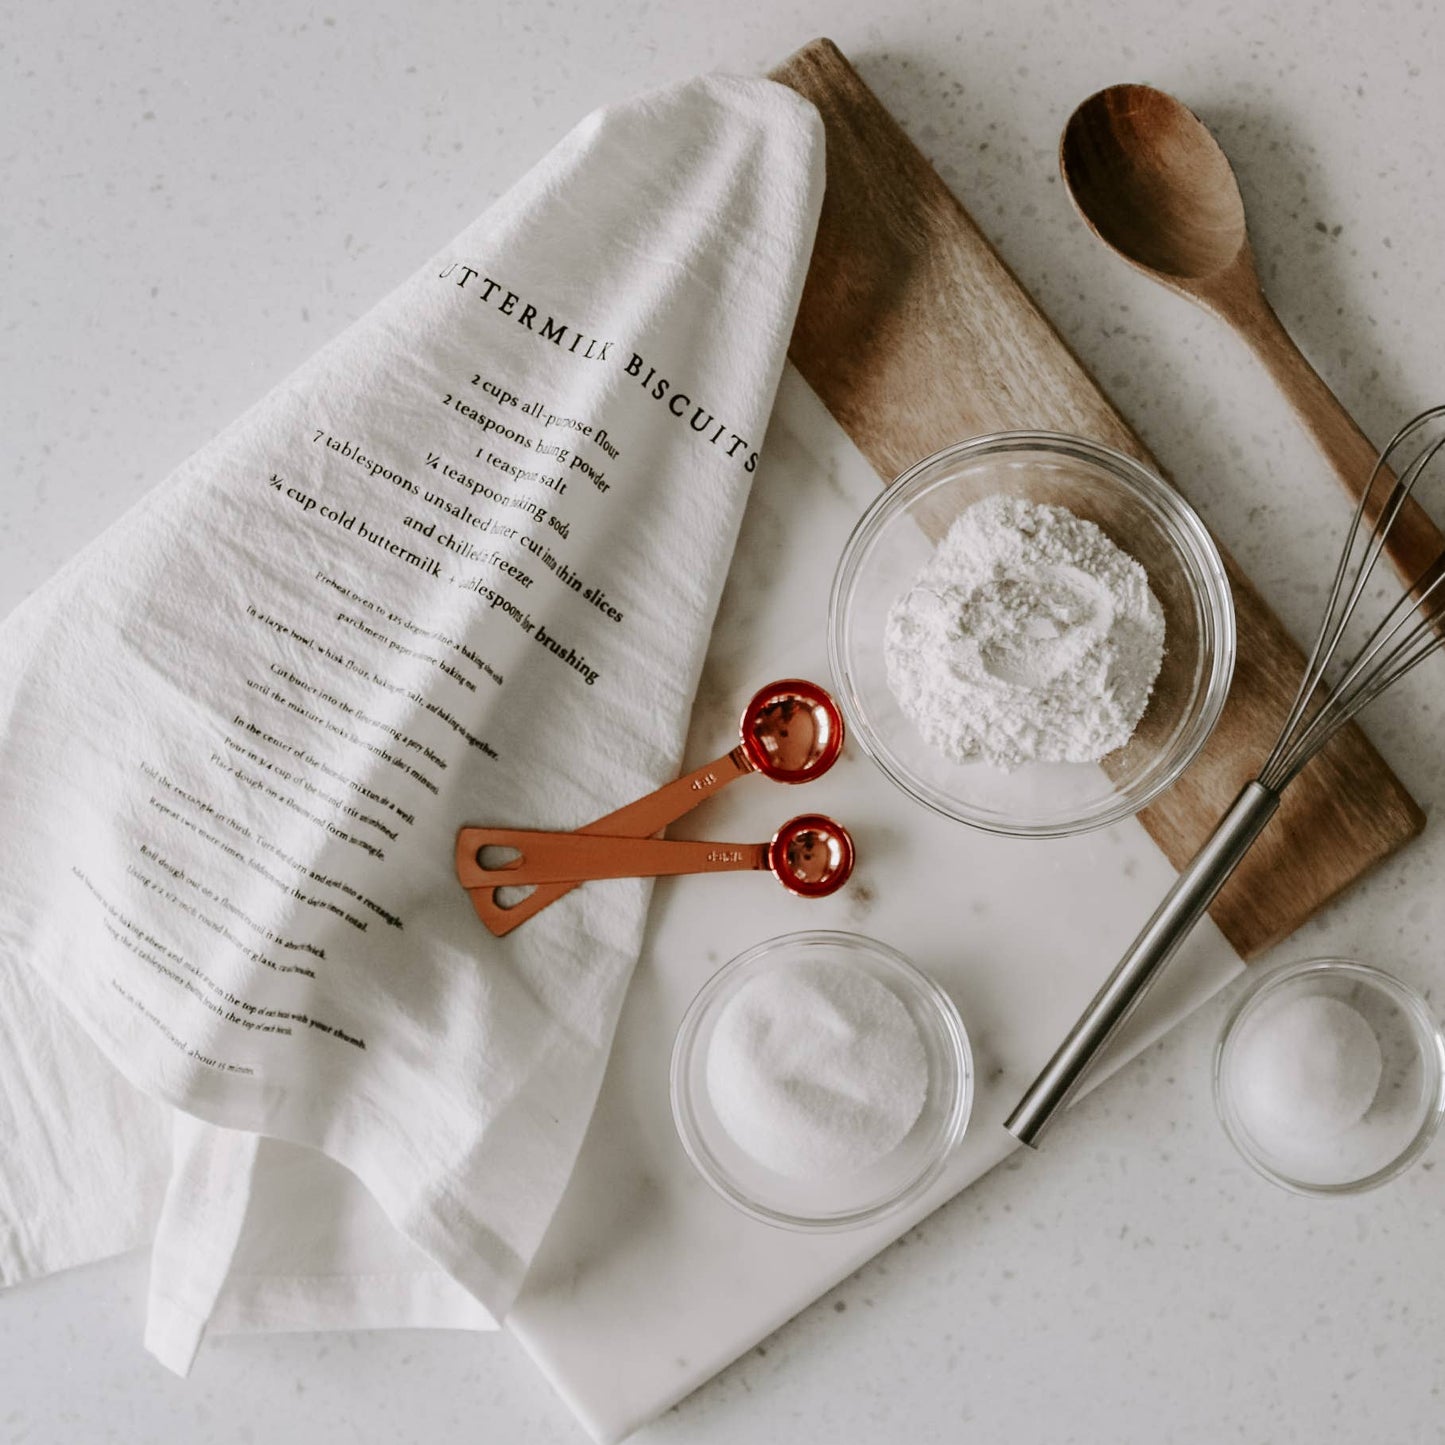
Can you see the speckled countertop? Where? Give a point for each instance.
(199, 195)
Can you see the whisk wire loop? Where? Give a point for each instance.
(1366, 677)
(1328, 637)
(1384, 656)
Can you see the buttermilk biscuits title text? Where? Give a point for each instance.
(568, 338)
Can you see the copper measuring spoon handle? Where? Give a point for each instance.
(810, 855)
(578, 857)
(639, 819)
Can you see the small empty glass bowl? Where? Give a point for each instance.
(834, 1201)
(1398, 1120)
(1144, 517)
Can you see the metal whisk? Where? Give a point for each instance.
(1409, 632)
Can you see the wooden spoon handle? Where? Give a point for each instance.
(1415, 543)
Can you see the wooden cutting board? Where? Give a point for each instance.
(915, 335)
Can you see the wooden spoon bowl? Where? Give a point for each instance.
(1153, 183)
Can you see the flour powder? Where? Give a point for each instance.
(1027, 637)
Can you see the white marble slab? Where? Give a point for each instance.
(648, 1283)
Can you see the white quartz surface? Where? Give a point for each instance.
(196, 196)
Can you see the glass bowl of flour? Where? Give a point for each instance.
(1031, 633)
(820, 1081)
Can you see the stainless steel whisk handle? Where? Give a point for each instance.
(1182, 908)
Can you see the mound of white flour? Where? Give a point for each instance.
(1028, 637)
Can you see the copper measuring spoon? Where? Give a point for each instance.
(1154, 185)
(791, 732)
(811, 856)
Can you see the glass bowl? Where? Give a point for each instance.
(1401, 1117)
(837, 1201)
(1143, 516)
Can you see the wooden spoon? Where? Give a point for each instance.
(1153, 184)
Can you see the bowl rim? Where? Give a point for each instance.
(1215, 598)
(1432, 1046)
(683, 1114)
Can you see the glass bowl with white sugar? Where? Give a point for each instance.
(1329, 1076)
(820, 1081)
(1031, 633)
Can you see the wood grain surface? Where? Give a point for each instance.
(915, 335)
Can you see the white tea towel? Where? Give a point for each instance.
(309, 1250)
(461, 567)
(83, 1155)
